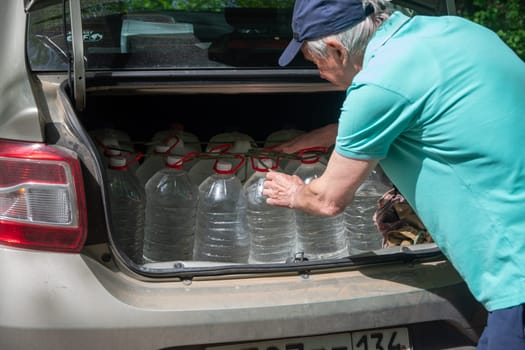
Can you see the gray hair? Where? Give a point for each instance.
(356, 38)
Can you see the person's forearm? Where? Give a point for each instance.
(310, 199)
(328, 134)
(323, 136)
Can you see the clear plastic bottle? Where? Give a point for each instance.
(156, 161)
(127, 200)
(290, 164)
(360, 229)
(241, 144)
(271, 228)
(221, 234)
(110, 147)
(151, 164)
(171, 205)
(121, 137)
(242, 147)
(280, 136)
(203, 167)
(191, 141)
(318, 237)
(228, 137)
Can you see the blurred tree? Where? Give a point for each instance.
(505, 17)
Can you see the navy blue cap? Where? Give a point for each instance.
(314, 19)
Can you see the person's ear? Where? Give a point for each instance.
(338, 50)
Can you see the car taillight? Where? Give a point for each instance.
(42, 202)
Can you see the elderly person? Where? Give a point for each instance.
(439, 103)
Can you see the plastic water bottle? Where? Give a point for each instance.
(280, 136)
(228, 137)
(221, 234)
(242, 147)
(318, 237)
(156, 161)
(191, 141)
(123, 139)
(203, 167)
(360, 229)
(291, 164)
(153, 163)
(271, 228)
(110, 147)
(240, 144)
(171, 205)
(127, 200)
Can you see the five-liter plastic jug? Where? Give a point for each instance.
(278, 137)
(171, 205)
(156, 161)
(229, 138)
(191, 141)
(242, 147)
(292, 162)
(221, 234)
(203, 167)
(318, 237)
(110, 146)
(240, 143)
(127, 200)
(123, 139)
(360, 229)
(271, 228)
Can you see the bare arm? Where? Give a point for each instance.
(324, 136)
(326, 195)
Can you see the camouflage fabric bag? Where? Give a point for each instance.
(397, 221)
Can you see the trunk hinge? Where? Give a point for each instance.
(79, 70)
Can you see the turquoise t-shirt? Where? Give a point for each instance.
(440, 101)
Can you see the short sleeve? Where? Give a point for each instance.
(372, 117)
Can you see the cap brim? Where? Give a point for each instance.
(290, 52)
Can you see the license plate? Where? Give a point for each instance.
(377, 339)
(381, 339)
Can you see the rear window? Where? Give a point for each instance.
(164, 34)
(174, 34)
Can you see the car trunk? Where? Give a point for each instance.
(205, 101)
(256, 111)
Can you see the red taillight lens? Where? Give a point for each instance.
(42, 202)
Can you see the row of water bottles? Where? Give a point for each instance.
(222, 218)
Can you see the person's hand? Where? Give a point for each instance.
(324, 136)
(281, 189)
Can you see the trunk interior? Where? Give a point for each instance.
(206, 115)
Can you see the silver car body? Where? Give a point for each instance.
(94, 299)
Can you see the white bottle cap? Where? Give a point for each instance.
(117, 162)
(161, 149)
(224, 165)
(172, 160)
(113, 152)
(110, 143)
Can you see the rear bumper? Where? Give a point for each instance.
(62, 301)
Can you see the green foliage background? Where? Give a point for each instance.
(505, 17)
